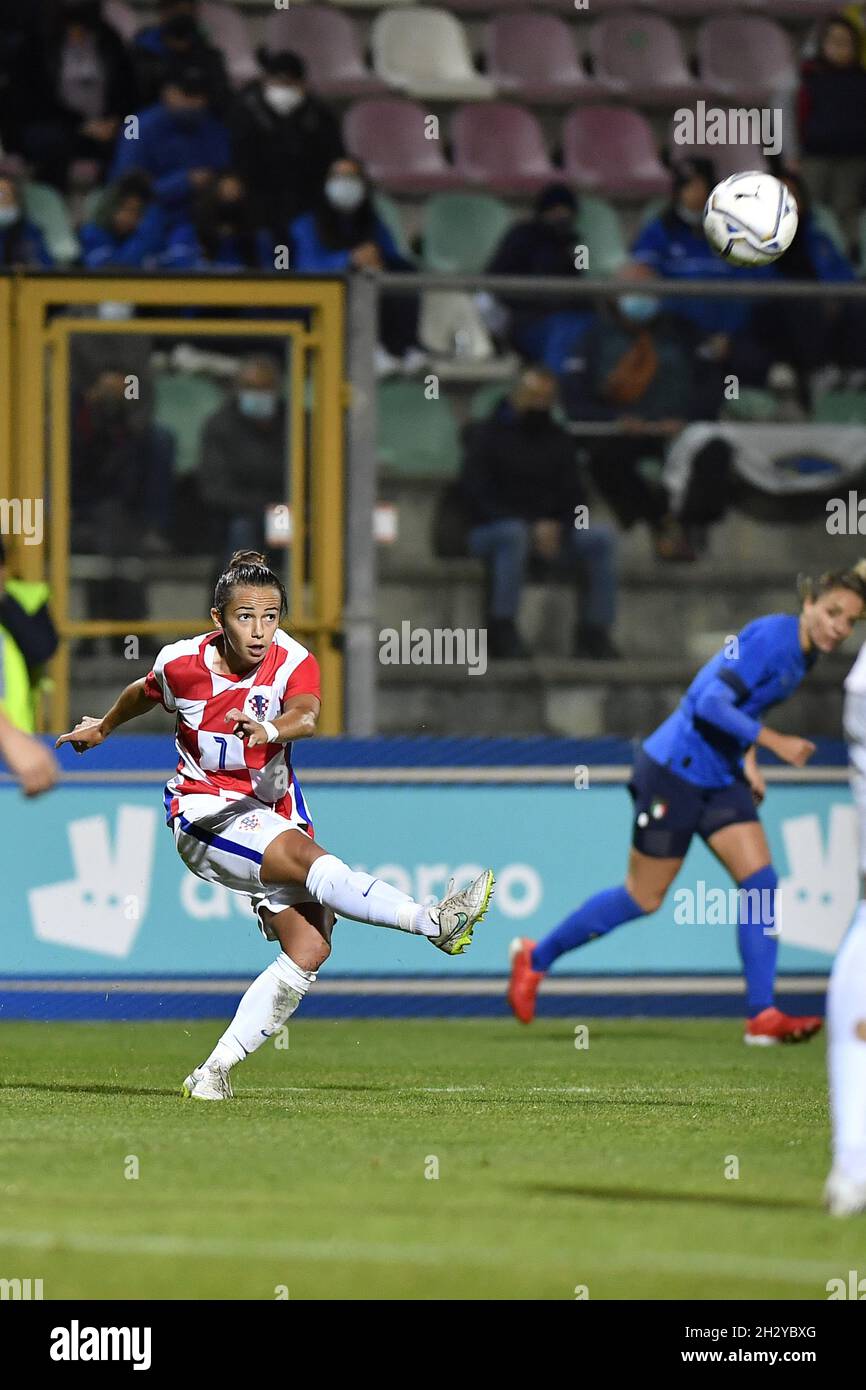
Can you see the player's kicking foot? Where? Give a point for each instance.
(208, 1083)
(524, 982)
(772, 1026)
(843, 1196)
(458, 913)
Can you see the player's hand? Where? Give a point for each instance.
(86, 734)
(250, 730)
(758, 785)
(793, 750)
(31, 762)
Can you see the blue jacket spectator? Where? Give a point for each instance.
(221, 234)
(180, 146)
(128, 228)
(673, 245)
(21, 241)
(161, 51)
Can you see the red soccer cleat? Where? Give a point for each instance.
(772, 1026)
(523, 986)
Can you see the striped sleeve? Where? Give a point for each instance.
(156, 685)
(304, 680)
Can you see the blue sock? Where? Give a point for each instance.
(757, 915)
(598, 916)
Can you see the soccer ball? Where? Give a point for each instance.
(750, 219)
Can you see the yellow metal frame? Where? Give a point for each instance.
(37, 352)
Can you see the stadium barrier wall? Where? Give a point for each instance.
(102, 920)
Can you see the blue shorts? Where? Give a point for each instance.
(668, 810)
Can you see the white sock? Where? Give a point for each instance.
(846, 1056)
(352, 893)
(272, 998)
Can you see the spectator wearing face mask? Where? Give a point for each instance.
(181, 147)
(221, 234)
(345, 233)
(284, 140)
(545, 244)
(128, 228)
(21, 241)
(242, 456)
(162, 51)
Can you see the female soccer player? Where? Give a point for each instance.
(242, 694)
(845, 1193)
(697, 774)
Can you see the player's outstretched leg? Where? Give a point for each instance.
(304, 933)
(757, 937)
(845, 1192)
(293, 859)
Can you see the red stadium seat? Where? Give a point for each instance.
(501, 147)
(745, 58)
(639, 56)
(610, 150)
(390, 136)
(329, 43)
(728, 159)
(531, 55)
(227, 31)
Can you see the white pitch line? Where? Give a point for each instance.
(703, 1262)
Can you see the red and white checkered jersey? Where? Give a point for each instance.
(213, 759)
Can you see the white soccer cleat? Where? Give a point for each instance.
(843, 1196)
(208, 1083)
(457, 914)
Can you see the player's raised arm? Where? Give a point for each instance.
(90, 732)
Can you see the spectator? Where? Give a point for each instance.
(221, 234)
(92, 86)
(25, 90)
(284, 140)
(29, 761)
(521, 487)
(122, 472)
(242, 468)
(28, 640)
(128, 228)
(163, 51)
(21, 241)
(832, 124)
(636, 368)
(811, 334)
(345, 233)
(178, 144)
(543, 245)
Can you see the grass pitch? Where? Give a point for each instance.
(558, 1167)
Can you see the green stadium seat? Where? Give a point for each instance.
(46, 208)
(417, 437)
(486, 398)
(599, 228)
(462, 230)
(183, 403)
(841, 408)
(391, 216)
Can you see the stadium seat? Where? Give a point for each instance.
(417, 437)
(501, 147)
(227, 31)
(531, 55)
(461, 231)
(390, 215)
(486, 398)
(840, 408)
(745, 58)
(183, 403)
(123, 18)
(727, 159)
(389, 135)
(46, 208)
(795, 9)
(610, 150)
(425, 53)
(598, 227)
(639, 56)
(370, 4)
(330, 45)
(450, 326)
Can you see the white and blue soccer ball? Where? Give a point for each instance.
(750, 219)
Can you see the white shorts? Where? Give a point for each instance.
(225, 841)
(854, 720)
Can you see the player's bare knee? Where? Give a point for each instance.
(647, 896)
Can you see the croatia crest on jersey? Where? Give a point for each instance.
(257, 706)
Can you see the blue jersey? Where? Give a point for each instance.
(720, 715)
